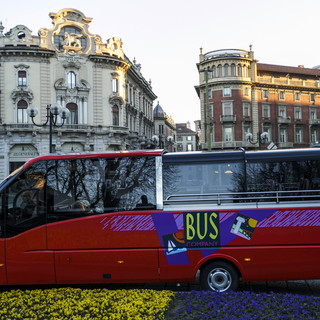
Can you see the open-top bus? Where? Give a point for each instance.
(149, 216)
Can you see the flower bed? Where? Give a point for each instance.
(146, 304)
(74, 303)
(203, 305)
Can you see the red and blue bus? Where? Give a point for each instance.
(150, 216)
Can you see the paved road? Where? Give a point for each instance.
(309, 287)
(302, 287)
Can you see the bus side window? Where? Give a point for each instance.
(126, 180)
(72, 188)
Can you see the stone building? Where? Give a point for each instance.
(256, 105)
(186, 138)
(164, 130)
(109, 101)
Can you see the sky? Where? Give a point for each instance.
(165, 36)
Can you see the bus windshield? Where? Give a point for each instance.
(12, 174)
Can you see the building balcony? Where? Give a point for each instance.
(314, 122)
(232, 144)
(284, 120)
(228, 118)
(288, 82)
(247, 119)
(285, 144)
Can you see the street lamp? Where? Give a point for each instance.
(52, 116)
(158, 140)
(208, 129)
(262, 138)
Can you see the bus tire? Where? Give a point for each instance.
(219, 276)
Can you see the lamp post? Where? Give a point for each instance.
(208, 135)
(262, 138)
(52, 116)
(157, 140)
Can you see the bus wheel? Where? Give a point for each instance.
(219, 276)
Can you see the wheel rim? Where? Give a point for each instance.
(219, 279)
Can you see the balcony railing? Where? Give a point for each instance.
(314, 122)
(228, 118)
(284, 120)
(288, 82)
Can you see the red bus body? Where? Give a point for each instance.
(169, 244)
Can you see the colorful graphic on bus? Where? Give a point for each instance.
(243, 226)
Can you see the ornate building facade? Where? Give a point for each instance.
(255, 105)
(110, 102)
(164, 130)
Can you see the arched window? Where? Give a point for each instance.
(239, 70)
(70, 36)
(233, 70)
(115, 115)
(73, 117)
(219, 70)
(226, 70)
(214, 72)
(71, 79)
(22, 116)
(245, 71)
(22, 78)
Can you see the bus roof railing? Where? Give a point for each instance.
(261, 196)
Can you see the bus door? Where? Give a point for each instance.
(27, 258)
(87, 247)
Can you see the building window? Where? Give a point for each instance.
(228, 134)
(245, 73)
(115, 85)
(265, 94)
(211, 111)
(247, 133)
(283, 135)
(297, 96)
(71, 80)
(22, 116)
(298, 135)
(233, 70)
(281, 95)
(189, 147)
(265, 111)
(22, 78)
(282, 111)
(227, 92)
(246, 92)
(209, 94)
(189, 138)
(239, 70)
(314, 135)
(226, 70)
(227, 108)
(313, 113)
(161, 129)
(60, 39)
(312, 97)
(115, 115)
(219, 70)
(246, 109)
(214, 72)
(268, 131)
(73, 117)
(297, 113)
